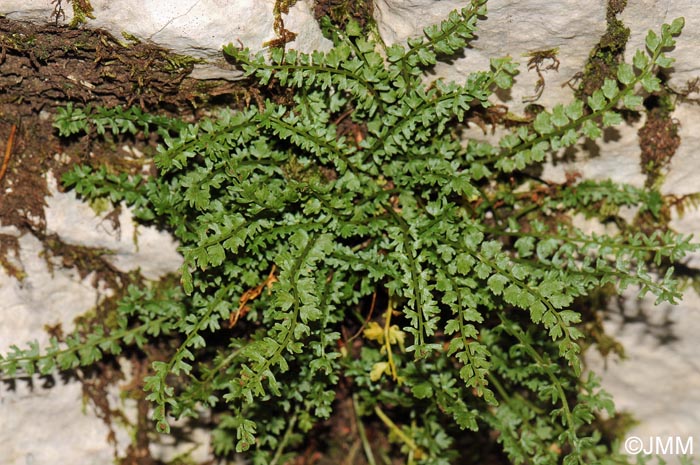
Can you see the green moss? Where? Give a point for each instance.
(10, 244)
(130, 38)
(615, 7)
(82, 10)
(175, 62)
(19, 42)
(284, 36)
(100, 206)
(339, 12)
(607, 54)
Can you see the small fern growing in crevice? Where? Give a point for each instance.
(358, 210)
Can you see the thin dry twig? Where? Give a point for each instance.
(369, 317)
(251, 294)
(8, 151)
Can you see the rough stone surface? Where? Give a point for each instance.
(642, 15)
(192, 27)
(41, 422)
(680, 180)
(683, 175)
(616, 157)
(198, 28)
(39, 425)
(659, 382)
(131, 247)
(515, 28)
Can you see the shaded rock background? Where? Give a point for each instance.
(39, 424)
(658, 381)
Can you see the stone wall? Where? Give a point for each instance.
(40, 424)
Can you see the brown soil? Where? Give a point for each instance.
(340, 11)
(43, 67)
(658, 140)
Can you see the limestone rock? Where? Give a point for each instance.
(198, 28)
(40, 420)
(35, 11)
(642, 15)
(515, 28)
(683, 177)
(129, 247)
(615, 157)
(41, 423)
(659, 381)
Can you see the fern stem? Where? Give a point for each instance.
(403, 225)
(568, 417)
(285, 439)
(361, 431)
(396, 430)
(524, 145)
(387, 339)
(113, 336)
(289, 332)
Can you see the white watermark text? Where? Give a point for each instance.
(659, 445)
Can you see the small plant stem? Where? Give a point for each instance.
(499, 387)
(405, 230)
(352, 453)
(284, 441)
(387, 339)
(115, 336)
(544, 364)
(502, 392)
(8, 151)
(361, 431)
(223, 364)
(366, 320)
(396, 430)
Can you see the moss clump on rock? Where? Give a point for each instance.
(605, 57)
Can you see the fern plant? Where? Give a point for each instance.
(351, 238)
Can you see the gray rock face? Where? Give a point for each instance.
(514, 28)
(42, 425)
(659, 381)
(39, 425)
(48, 419)
(192, 27)
(198, 28)
(642, 15)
